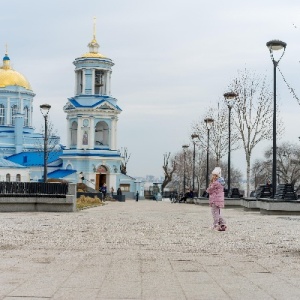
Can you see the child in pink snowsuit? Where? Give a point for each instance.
(216, 199)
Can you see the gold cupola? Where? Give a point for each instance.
(93, 46)
(10, 77)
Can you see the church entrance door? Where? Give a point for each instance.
(100, 179)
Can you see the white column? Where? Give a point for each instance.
(92, 134)
(109, 83)
(8, 121)
(113, 133)
(30, 113)
(21, 104)
(106, 82)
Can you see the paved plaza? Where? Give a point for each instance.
(148, 250)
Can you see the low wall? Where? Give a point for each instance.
(265, 206)
(229, 202)
(45, 203)
(274, 206)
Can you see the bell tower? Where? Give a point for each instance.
(92, 116)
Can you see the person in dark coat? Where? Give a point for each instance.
(119, 191)
(137, 196)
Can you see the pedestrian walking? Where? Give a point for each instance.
(104, 190)
(112, 191)
(137, 196)
(216, 199)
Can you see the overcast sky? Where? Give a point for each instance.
(173, 59)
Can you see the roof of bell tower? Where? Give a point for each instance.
(93, 46)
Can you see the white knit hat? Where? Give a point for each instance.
(217, 171)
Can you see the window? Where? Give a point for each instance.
(8, 177)
(98, 81)
(18, 177)
(101, 133)
(26, 116)
(14, 110)
(74, 133)
(2, 114)
(125, 187)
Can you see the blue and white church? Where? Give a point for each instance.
(90, 154)
(20, 146)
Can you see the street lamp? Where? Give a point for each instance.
(194, 137)
(184, 147)
(208, 123)
(275, 45)
(229, 98)
(45, 111)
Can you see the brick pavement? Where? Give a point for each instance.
(148, 250)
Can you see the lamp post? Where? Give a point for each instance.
(45, 111)
(208, 123)
(184, 147)
(230, 98)
(275, 45)
(194, 137)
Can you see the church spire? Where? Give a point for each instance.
(6, 60)
(93, 45)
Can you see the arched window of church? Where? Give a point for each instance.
(26, 116)
(74, 128)
(18, 177)
(69, 167)
(2, 114)
(14, 110)
(101, 134)
(8, 177)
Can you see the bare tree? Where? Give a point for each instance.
(288, 163)
(168, 170)
(200, 171)
(52, 141)
(126, 157)
(252, 113)
(260, 172)
(218, 133)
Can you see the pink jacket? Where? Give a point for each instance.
(216, 194)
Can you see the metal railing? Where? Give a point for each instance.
(33, 189)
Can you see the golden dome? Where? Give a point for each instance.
(9, 77)
(93, 47)
(91, 54)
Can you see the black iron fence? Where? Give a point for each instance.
(33, 189)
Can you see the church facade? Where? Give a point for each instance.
(90, 154)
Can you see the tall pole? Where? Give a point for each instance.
(184, 147)
(194, 136)
(275, 45)
(45, 110)
(208, 123)
(229, 149)
(184, 183)
(194, 166)
(230, 98)
(45, 148)
(274, 136)
(207, 158)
